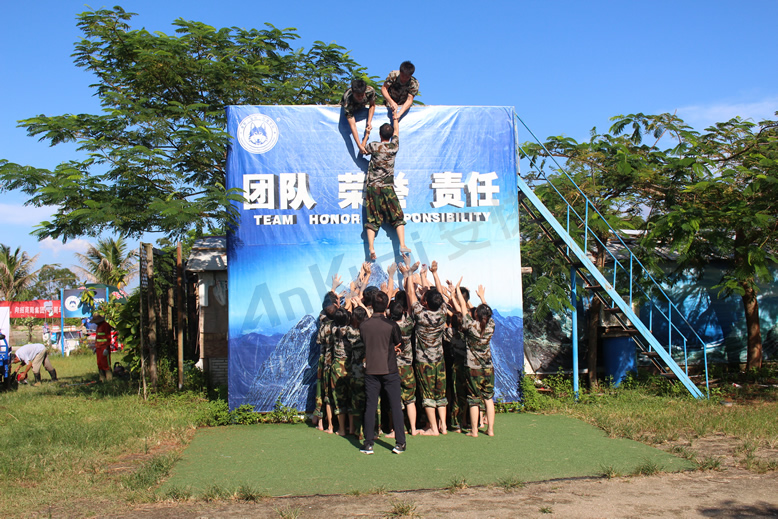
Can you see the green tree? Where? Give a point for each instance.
(612, 172)
(17, 272)
(720, 201)
(156, 154)
(109, 262)
(50, 279)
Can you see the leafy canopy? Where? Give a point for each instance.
(156, 154)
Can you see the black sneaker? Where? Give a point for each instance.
(366, 448)
(399, 448)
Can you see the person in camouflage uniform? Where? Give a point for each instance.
(399, 89)
(356, 370)
(381, 202)
(478, 334)
(398, 313)
(456, 374)
(329, 305)
(354, 99)
(338, 370)
(324, 340)
(430, 369)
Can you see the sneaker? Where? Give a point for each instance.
(366, 448)
(399, 448)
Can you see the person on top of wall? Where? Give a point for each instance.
(354, 99)
(399, 89)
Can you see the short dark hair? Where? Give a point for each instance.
(367, 295)
(358, 315)
(407, 68)
(330, 299)
(434, 299)
(483, 313)
(340, 317)
(465, 293)
(358, 86)
(402, 297)
(396, 310)
(380, 302)
(386, 131)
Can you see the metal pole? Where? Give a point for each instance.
(180, 314)
(62, 320)
(574, 317)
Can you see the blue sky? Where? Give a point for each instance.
(564, 66)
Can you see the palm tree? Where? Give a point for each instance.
(109, 262)
(16, 272)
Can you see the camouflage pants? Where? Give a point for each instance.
(407, 384)
(432, 381)
(339, 386)
(357, 396)
(480, 385)
(381, 204)
(458, 397)
(317, 410)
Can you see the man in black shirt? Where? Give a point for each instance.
(382, 340)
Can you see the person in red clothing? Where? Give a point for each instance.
(103, 347)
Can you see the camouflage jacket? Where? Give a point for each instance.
(479, 350)
(357, 352)
(324, 338)
(381, 170)
(429, 333)
(458, 345)
(406, 324)
(397, 91)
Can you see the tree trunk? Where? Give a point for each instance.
(753, 330)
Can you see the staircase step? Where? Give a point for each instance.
(649, 354)
(593, 287)
(612, 310)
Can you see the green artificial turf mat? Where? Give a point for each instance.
(297, 459)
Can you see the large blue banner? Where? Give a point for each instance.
(302, 223)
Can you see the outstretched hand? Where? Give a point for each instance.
(336, 282)
(434, 266)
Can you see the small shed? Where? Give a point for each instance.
(208, 262)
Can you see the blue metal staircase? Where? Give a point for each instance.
(623, 281)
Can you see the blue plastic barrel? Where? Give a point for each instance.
(620, 356)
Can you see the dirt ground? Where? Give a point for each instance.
(735, 489)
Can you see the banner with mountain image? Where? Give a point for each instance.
(302, 223)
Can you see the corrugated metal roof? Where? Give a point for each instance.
(208, 253)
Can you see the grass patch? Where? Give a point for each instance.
(216, 492)
(288, 512)
(102, 439)
(608, 472)
(249, 493)
(647, 468)
(149, 474)
(545, 510)
(457, 483)
(403, 509)
(511, 483)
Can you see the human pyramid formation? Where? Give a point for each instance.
(422, 339)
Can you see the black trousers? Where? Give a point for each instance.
(373, 385)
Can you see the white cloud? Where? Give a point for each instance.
(18, 214)
(702, 116)
(56, 246)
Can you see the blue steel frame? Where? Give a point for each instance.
(655, 295)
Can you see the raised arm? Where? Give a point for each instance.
(434, 270)
(481, 293)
